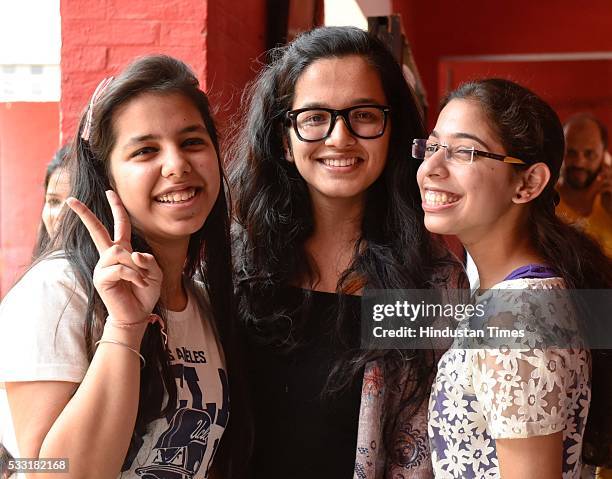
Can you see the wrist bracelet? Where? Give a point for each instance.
(114, 341)
(151, 319)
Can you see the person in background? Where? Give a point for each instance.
(585, 185)
(57, 189)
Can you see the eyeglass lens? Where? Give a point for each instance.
(366, 122)
(423, 149)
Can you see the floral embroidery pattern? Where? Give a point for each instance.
(373, 382)
(408, 455)
(480, 395)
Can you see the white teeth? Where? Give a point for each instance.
(177, 196)
(437, 198)
(339, 161)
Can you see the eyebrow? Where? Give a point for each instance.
(461, 135)
(192, 128)
(357, 101)
(188, 129)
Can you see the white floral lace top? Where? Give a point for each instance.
(480, 395)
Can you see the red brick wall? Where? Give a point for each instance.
(218, 39)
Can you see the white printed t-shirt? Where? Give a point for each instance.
(42, 339)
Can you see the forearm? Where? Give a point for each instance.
(539, 457)
(95, 428)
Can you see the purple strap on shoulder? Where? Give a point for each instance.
(532, 271)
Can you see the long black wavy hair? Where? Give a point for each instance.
(529, 129)
(274, 216)
(209, 252)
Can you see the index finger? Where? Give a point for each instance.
(97, 231)
(122, 225)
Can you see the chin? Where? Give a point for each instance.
(342, 193)
(439, 227)
(180, 233)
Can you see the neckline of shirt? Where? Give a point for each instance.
(179, 316)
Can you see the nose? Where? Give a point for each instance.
(435, 165)
(175, 163)
(340, 136)
(581, 159)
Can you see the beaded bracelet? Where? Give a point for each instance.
(114, 341)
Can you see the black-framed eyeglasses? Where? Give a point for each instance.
(423, 149)
(316, 124)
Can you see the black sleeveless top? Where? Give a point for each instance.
(300, 433)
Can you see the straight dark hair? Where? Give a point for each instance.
(208, 257)
(274, 216)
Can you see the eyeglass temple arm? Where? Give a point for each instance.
(516, 161)
(504, 158)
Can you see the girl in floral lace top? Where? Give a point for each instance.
(488, 176)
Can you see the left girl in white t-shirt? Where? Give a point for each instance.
(90, 374)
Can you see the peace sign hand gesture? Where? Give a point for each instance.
(128, 282)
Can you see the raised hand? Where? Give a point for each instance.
(605, 180)
(128, 282)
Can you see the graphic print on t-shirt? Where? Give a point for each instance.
(180, 450)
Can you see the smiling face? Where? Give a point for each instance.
(58, 190)
(467, 200)
(341, 166)
(164, 166)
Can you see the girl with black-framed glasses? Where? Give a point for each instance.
(327, 207)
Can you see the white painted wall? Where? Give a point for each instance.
(376, 8)
(355, 12)
(30, 35)
(344, 12)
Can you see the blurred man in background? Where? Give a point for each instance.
(586, 179)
